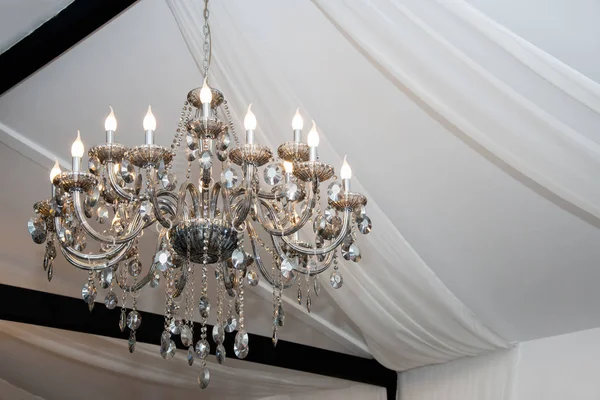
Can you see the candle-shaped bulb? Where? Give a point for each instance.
(205, 93)
(77, 147)
(149, 120)
(289, 167)
(297, 121)
(346, 171)
(250, 119)
(313, 136)
(55, 171)
(110, 123)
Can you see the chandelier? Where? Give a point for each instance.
(242, 188)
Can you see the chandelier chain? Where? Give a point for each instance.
(207, 46)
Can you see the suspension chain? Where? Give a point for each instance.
(207, 40)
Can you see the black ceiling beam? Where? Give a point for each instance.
(57, 35)
(62, 312)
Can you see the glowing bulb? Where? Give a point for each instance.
(55, 171)
(250, 119)
(205, 93)
(77, 147)
(297, 121)
(110, 123)
(149, 120)
(313, 136)
(346, 171)
(289, 167)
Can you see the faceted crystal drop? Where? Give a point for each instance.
(308, 303)
(191, 155)
(163, 260)
(238, 258)
(274, 338)
(218, 334)
(224, 141)
(204, 307)
(222, 155)
(292, 191)
(137, 186)
(51, 249)
(93, 164)
(202, 349)
(65, 236)
(92, 198)
(279, 316)
(319, 225)
(146, 210)
(50, 271)
(334, 191)
(204, 378)
(360, 212)
(37, 229)
(134, 320)
(192, 142)
(167, 349)
(111, 300)
(238, 306)
(220, 353)
(190, 356)
(122, 322)
(299, 296)
(165, 337)
(131, 342)
(88, 292)
(273, 174)
(364, 225)
(169, 181)
(91, 306)
(252, 277)
(317, 286)
(352, 254)
(230, 324)
(102, 214)
(288, 265)
(127, 171)
(106, 277)
(205, 159)
(186, 336)
(175, 326)
(134, 267)
(155, 280)
(336, 280)
(329, 213)
(229, 178)
(47, 261)
(80, 240)
(240, 344)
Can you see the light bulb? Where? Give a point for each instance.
(110, 123)
(149, 120)
(346, 171)
(205, 93)
(55, 171)
(297, 121)
(77, 147)
(250, 119)
(313, 136)
(289, 167)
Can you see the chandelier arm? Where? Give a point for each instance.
(320, 268)
(95, 266)
(140, 284)
(158, 215)
(261, 267)
(194, 194)
(135, 227)
(115, 185)
(272, 230)
(324, 250)
(215, 192)
(242, 209)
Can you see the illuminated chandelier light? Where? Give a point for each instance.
(200, 225)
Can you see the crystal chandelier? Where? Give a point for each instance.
(214, 222)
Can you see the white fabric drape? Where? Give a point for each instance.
(522, 106)
(406, 315)
(234, 379)
(485, 377)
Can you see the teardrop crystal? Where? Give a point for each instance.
(122, 321)
(220, 353)
(190, 356)
(240, 344)
(111, 300)
(230, 324)
(131, 341)
(218, 334)
(167, 349)
(204, 378)
(202, 349)
(204, 307)
(186, 336)
(279, 316)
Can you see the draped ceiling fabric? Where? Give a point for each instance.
(406, 315)
(83, 361)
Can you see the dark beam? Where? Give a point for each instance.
(57, 35)
(61, 312)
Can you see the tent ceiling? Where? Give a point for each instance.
(523, 264)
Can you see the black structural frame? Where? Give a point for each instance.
(49, 41)
(62, 312)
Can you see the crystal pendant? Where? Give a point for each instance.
(163, 260)
(80, 241)
(204, 307)
(167, 349)
(238, 258)
(240, 344)
(252, 277)
(191, 154)
(360, 212)
(308, 303)
(137, 186)
(229, 178)
(334, 191)
(146, 209)
(192, 142)
(165, 337)
(224, 141)
(65, 236)
(273, 174)
(238, 306)
(91, 306)
(292, 191)
(134, 267)
(220, 353)
(319, 225)
(204, 378)
(122, 321)
(93, 164)
(230, 324)
(169, 181)
(131, 341)
(274, 338)
(352, 254)
(127, 171)
(88, 292)
(299, 296)
(92, 198)
(317, 286)
(190, 356)
(279, 316)
(155, 280)
(222, 155)
(205, 159)
(364, 225)
(134, 320)
(202, 349)
(175, 326)
(106, 277)
(329, 214)
(218, 334)
(102, 214)
(51, 249)
(187, 337)
(50, 271)
(288, 265)
(336, 280)
(111, 300)
(37, 229)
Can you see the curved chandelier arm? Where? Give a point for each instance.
(259, 263)
(324, 250)
(242, 209)
(89, 265)
(134, 228)
(115, 185)
(180, 284)
(158, 214)
(194, 194)
(214, 197)
(272, 230)
(320, 268)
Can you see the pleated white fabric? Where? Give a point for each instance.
(522, 106)
(406, 315)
